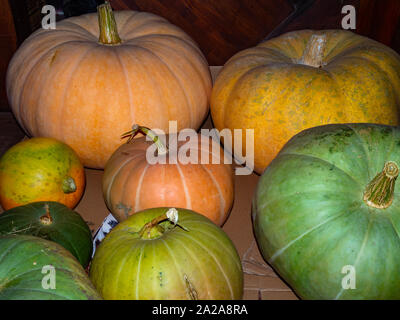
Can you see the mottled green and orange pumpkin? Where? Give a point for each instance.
(303, 79)
(167, 254)
(85, 82)
(40, 169)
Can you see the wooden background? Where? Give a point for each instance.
(220, 27)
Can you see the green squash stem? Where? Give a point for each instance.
(108, 26)
(161, 148)
(171, 215)
(379, 192)
(69, 185)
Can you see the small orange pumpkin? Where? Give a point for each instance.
(132, 184)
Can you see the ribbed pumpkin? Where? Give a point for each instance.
(303, 79)
(167, 254)
(40, 169)
(131, 183)
(51, 221)
(326, 212)
(25, 262)
(68, 84)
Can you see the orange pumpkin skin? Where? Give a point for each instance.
(132, 184)
(282, 87)
(64, 84)
(40, 169)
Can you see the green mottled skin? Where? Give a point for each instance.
(67, 227)
(22, 258)
(164, 266)
(35, 170)
(310, 219)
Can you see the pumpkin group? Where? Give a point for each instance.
(327, 208)
(131, 183)
(69, 85)
(303, 79)
(40, 169)
(164, 254)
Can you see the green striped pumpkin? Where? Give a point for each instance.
(145, 258)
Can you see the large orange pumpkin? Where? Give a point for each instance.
(131, 183)
(68, 84)
(303, 79)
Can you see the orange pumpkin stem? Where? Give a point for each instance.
(379, 192)
(108, 27)
(314, 52)
(46, 218)
(161, 148)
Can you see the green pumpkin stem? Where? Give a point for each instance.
(379, 192)
(108, 26)
(161, 148)
(171, 215)
(68, 185)
(46, 218)
(314, 51)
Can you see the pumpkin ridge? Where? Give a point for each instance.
(210, 235)
(360, 252)
(127, 83)
(139, 188)
(201, 245)
(66, 89)
(177, 266)
(185, 187)
(196, 261)
(222, 203)
(26, 74)
(325, 161)
(138, 272)
(108, 195)
(174, 76)
(155, 83)
(278, 252)
(178, 80)
(122, 27)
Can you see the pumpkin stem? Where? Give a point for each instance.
(46, 218)
(314, 51)
(171, 215)
(379, 192)
(161, 148)
(69, 185)
(108, 26)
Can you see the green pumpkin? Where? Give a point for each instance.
(147, 258)
(52, 221)
(326, 212)
(25, 273)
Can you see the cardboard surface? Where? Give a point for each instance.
(260, 281)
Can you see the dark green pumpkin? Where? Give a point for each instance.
(321, 223)
(52, 221)
(23, 267)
